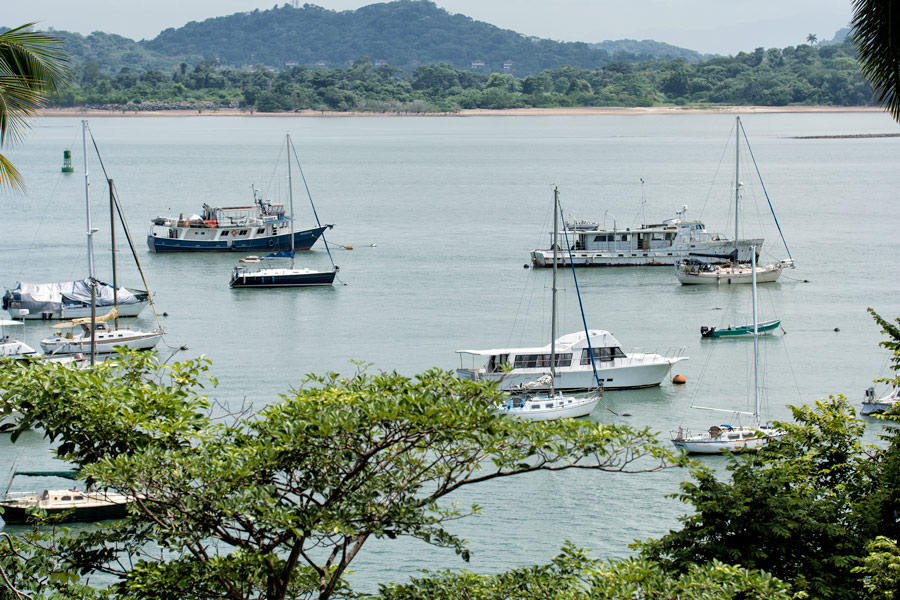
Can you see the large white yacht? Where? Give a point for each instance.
(518, 367)
(658, 244)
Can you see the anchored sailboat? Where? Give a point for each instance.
(727, 437)
(243, 276)
(694, 271)
(96, 336)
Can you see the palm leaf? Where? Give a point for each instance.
(876, 33)
(32, 67)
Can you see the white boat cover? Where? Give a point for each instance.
(40, 297)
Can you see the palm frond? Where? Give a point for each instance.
(9, 175)
(876, 33)
(32, 68)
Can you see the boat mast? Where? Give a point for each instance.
(290, 193)
(87, 201)
(755, 338)
(553, 291)
(90, 243)
(737, 180)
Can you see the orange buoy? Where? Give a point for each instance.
(348, 247)
(679, 379)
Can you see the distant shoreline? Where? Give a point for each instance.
(476, 112)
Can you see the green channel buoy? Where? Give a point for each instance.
(67, 162)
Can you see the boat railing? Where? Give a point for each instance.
(647, 355)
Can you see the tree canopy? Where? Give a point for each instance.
(279, 503)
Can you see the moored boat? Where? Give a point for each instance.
(659, 244)
(245, 276)
(872, 405)
(72, 300)
(739, 330)
(513, 367)
(726, 437)
(260, 227)
(530, 401)
(76, 505)
(693, 271)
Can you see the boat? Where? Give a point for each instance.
(103, 341)
(694, 271)
(762, 328)
(733, 438)
(72, 300)
(577, 355)
(78, 505)
(96, 336)
(658, 244)
(512, 367)
(12, 348)
(244, 276)
(260, 227)
(872, 405)
(528, 402)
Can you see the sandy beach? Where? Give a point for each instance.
(477, 112)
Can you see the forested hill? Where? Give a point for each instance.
(404, 33)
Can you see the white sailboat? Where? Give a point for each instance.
(695, 271)
(727, 437)
(550, 405)
(96, 336)
(243, 276)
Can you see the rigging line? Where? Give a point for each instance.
(125, 228)
(712, 184)
(581, 306)
(762, 183)
(529, 286)
(137, 261)
(309, 195)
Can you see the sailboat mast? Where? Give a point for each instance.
(755, 338)
(553, 292)
(737, 179)
(290, 193)
(87, 202)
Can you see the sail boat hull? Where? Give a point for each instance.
(692, 274)
(725, 438)
(194, 239)
(545, 408)
(272, 278)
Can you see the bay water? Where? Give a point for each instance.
(441, 213)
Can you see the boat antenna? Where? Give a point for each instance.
(643, 205)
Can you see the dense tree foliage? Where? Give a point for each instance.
(817, 509)
(801, 75)
(278, 504)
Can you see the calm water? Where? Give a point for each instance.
(441, 214)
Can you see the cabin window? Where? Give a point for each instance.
(657, 236)
(65, 498)
(602, 354)
(670, 236)
(601, 238)
(532, 361)
(623, 237)
(261, 230)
